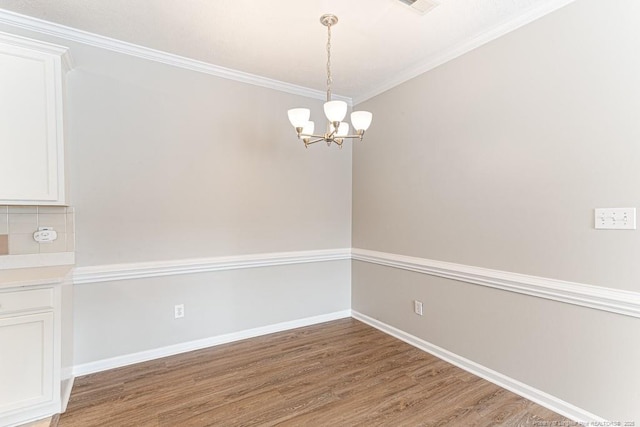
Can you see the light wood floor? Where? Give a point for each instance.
(341, 373)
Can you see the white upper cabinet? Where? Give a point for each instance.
(32, 75)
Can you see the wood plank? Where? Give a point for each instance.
(341, 373)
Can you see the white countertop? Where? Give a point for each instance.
(19, 277)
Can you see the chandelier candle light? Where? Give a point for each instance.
(337, 130)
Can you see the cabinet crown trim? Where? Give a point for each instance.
(40, 46)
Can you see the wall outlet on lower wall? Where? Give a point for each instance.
(417, 307)
(178, 311)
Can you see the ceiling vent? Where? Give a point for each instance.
(420, 6)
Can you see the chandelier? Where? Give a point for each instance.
(337, 130)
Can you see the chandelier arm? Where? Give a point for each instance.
(300, 120)
(359, 135)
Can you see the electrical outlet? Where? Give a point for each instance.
(178, 311)
(417, 307)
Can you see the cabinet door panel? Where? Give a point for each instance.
(31, 122)
(24, 165)
(26, 360)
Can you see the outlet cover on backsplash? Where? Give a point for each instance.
(19, 223)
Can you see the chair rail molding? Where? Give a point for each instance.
(601, 298)
(596, 297)
(139, 270)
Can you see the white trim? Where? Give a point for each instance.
(80, 36)
(465, 46)
(65, 392)
(540, 397)
(37, 260)
(26, 417)
(108, 273)
(601, 298)
(597, 297)
(62, 52)
(143, 356)
(37, 45)
(72, 34)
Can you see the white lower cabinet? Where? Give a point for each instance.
(29, 361)
(26, 361)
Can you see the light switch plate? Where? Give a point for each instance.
(615, 218)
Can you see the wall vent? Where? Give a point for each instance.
(420, 6)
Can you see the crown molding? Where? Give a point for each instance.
(41, 46)
(79, 36)
(27, 43)
(84, 37)
(463, 47)
(597, 297)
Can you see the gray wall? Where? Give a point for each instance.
(497, 159)
(170, 164)
(588, 358)
(130, 316)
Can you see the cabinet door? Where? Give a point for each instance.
(31, 138)
(26, 360)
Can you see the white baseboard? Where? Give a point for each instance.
(540, 397)
(26, 416)
(65, 393)
(544, 399)
(144, 356)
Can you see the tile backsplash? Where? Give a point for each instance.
(18, 223)
(4, 244)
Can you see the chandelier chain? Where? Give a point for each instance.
(329, 79)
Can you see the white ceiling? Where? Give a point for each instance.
(376, 44)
